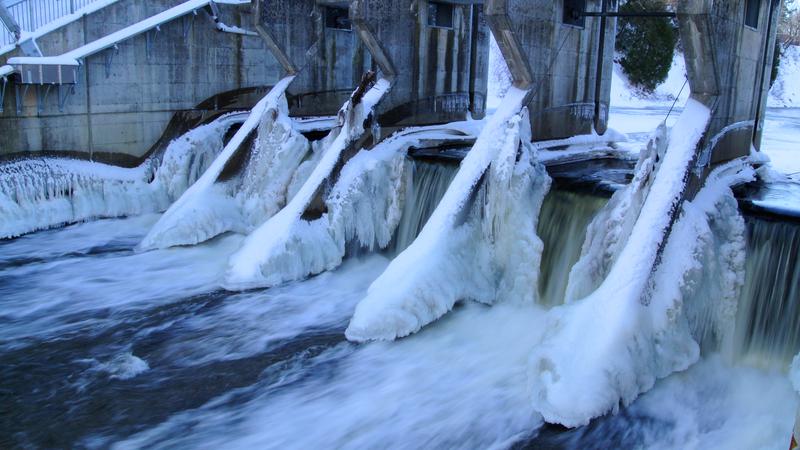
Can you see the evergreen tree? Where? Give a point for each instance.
(646, 45)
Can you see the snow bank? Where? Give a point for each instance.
(612, 345)
(627, 96)
(480, 243)
(213, 206)
(250, 266)
(42, 193)
(785, 92)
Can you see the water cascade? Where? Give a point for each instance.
(563, 222)
(768, 320)
(41, 193)
(430, 182)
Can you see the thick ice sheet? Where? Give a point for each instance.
(42, 193)
(609, 347)
(213, 206)
(248, 267)
(479, 244)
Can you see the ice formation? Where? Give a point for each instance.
(479, 244)
(605, 237)
(40, 193)
(251, 265)
(635, 327)
(217, 204)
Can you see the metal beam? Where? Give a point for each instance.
(627, 14)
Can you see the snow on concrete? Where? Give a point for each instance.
(213, 206)
(480, 243)
(611, 346)
(40, 193)
(249, 267)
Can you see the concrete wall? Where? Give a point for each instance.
(330, 61)
(441, 72)
(124, 107)
(558, 61)
(728, 64)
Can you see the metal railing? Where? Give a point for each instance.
(34, 14)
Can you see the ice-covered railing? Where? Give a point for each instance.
(73, 56)
(213, 206)
(39, 17)
(247, 267)
(40, 193)
(635, 327)
(479, 244)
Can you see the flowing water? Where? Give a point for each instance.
(102, 346)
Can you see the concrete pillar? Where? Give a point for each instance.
(553, 51)
(728, 46)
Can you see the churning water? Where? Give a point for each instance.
(102, 346)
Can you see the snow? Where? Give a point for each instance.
(248, 267)
(625, 95)
(785, 91)
(40, 193)
(480, 242)
(213, 206)
(611, 346)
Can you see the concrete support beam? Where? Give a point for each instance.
(728, 59)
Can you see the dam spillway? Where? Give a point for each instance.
(351, 255)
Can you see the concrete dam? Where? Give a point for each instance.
(299, 224)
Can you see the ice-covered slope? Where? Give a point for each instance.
(611, 346)
(40, 193)
(249, 267)
(479, 244)
(213, 206)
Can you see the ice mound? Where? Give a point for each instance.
(274, 240)
(217, 204)
(479, 244)
(606, 349)
(40, 193)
